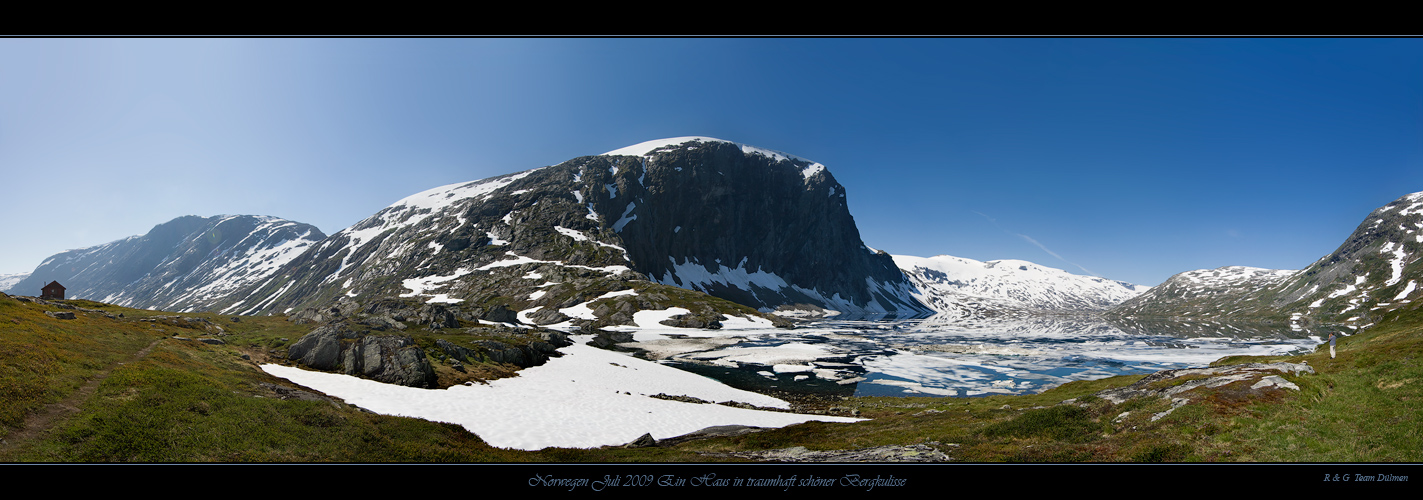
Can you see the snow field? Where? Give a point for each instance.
(587, 398)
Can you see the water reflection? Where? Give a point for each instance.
(950, 356)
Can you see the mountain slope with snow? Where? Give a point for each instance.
(1378, 268)
(1204, 293)
(9, 280)
(744, 224)
(186, 264)
(969, 288)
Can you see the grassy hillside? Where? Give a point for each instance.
(106, 388)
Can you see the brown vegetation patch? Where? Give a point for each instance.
(1383, 384)
(1235, 397)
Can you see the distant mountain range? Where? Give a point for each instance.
(8, 280)
(961, 287)
(736, 223)
(186, 264)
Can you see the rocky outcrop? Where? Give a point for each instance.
(522, 350)
(910, 453)
(436, 316)
(384, 358)
(185, 322)
(533, 353)
(690, 320)
(60, 315)
(1180, 386)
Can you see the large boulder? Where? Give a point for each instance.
(390, 359)
(384, 358)
(501, 314)
(321, 349)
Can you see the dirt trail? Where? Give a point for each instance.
(39, 422)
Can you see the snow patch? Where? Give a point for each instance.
(520, 260)
(421, 286)
(624, 220)
(568, 402)
(1406, 290)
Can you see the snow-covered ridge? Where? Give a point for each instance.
(646, 148)
(1233, 275)
(186, 264)
(266, 252)
(950, 283)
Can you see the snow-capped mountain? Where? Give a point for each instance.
(960, 287)
(9, 280)
(745, 224)
(1204, 293)
(186, 264)
(1375, 270)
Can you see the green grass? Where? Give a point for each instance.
(192, 402)
(43, 359)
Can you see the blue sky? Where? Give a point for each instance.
(1131, 159)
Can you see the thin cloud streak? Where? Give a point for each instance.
(1054, 254)
(1036, 243)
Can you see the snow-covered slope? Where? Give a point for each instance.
(1204, 293)
(187, 264)
(965, 287)
(9, 280)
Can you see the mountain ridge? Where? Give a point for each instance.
(744, 224)
(185, 264)
(1375, 270)
(964, 287)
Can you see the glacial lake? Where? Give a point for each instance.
(952, 357)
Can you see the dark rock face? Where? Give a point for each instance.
(751, 228)
(389, 359)
(321, 349)
(500, 314)
(531, 354)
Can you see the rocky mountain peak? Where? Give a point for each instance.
(745, 224)
(752, 225)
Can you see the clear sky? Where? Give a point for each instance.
(1130, 159)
